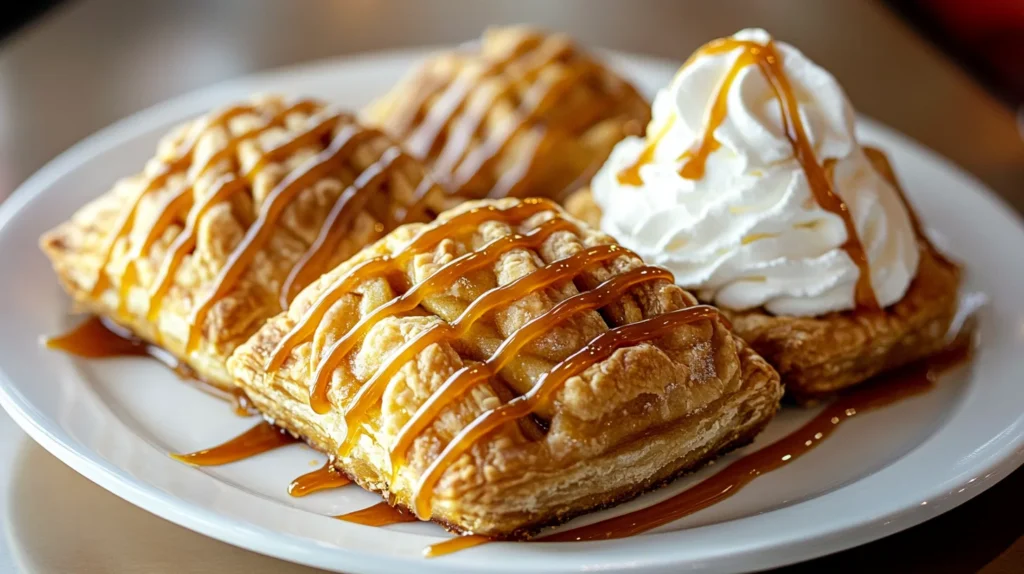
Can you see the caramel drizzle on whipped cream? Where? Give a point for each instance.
(819, 177)
(369, 394)
(351, 201)
(458, 112)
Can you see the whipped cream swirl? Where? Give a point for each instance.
(748, 232)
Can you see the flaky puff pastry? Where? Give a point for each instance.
(626, 423)
(222, 215)
(519, 113)
(817, 356)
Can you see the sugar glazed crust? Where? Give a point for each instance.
(518, 113)
(291, 183)
(631, 419)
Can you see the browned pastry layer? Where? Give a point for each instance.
(518, 113)
(628, 420)
(236, 212)
(817, 356)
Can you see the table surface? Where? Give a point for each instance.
(90, 63)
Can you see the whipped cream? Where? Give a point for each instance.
(748, 231)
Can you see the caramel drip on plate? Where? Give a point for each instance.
(819, 177)
(323, 478)
(380, 514)
(885, 390)
(340, 149)
(373, 389)
(599, 349)
(101, 338)
(438, 282)
(259, 439)
(458, 225)
(454, 545)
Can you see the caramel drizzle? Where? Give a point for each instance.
(467, 377)
(454, 545)
(181, 200)
(819, 177)
(438, 282)
(340, 149)
(525, 62)
(385, 265)
(323, 478)
(352, 201)
(599, 349)
(380, 514)
(257, 440)
(180, 162)
(373, 389)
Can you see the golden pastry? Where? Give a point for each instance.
(237, 212)
(752, 188)
(505, 368)
(520, 113)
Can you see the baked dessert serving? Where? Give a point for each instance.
(237, 212)
(752, 188)
(505, 368)
(519, 113)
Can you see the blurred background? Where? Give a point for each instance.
(948, 73)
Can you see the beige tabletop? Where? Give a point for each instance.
(90, 63)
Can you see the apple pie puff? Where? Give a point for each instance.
(519, 113)
(237, 212)
(817, 356)
(505, 368)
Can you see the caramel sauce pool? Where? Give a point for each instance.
(323, 478)
(259, 439)
(380, 514)
(101, 338)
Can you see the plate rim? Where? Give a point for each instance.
(780, 550)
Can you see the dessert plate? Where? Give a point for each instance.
(115, 421)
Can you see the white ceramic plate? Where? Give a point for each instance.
(115, 421)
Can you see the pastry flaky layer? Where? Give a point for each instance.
(518, 113)
(504, 368)
(237, 211)
(817, 356)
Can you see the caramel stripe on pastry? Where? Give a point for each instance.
(467, 377)
(349, 204)
(461, 117)
(440, 281)
(599, 349)
(182, 199)
(354, 199)
(384, 265)
(486, 303)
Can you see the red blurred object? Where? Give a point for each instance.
(986, 35)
